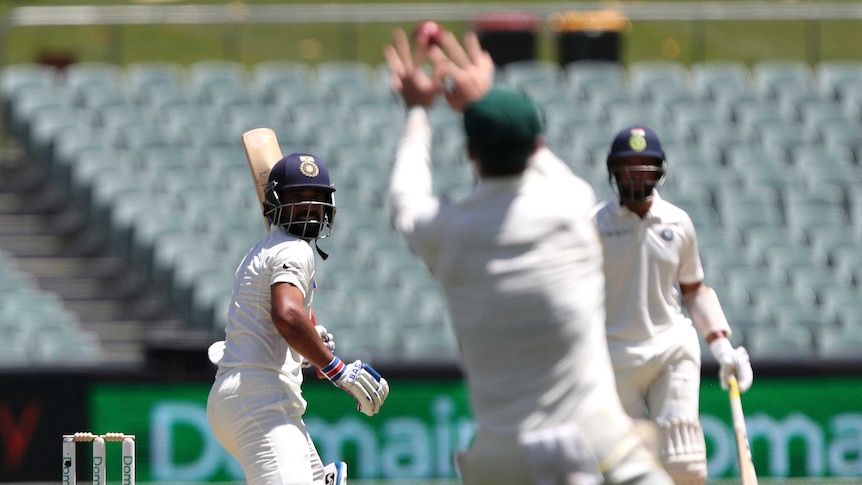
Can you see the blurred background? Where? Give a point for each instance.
(126, 204)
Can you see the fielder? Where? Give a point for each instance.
(650, 247)
(255, 406)
(509, 257)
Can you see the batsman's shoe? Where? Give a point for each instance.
(335, 473)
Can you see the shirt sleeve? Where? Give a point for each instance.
(415, 209)
(294, 264)
(690, 266)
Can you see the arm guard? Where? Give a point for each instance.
(706, 312)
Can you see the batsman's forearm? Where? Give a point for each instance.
(707, 314)
(298, 331)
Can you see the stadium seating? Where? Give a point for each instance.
(765, 158)
(790, 343)
(833, 74)
(711, 76)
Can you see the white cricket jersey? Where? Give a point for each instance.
(645, 260)
(251, 338)
(520, 263)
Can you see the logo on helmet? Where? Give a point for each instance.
(308, 166)
(638, 140)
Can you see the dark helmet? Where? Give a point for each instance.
(636, 142)
(306, 217)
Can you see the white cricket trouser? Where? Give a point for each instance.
(661, 381)
(258, 420)
(619, 454)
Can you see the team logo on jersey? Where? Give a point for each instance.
(308, 166)
(637, 142)
(666, 234)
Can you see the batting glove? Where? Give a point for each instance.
(328, 341)
(733, 362)
(360, 381)
(327, 337)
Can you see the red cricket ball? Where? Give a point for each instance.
(429, 32)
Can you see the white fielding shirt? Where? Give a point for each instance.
(520, 263)
(251, 338)
(645, 259)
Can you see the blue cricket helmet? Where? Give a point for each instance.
(309, 218)
(636, 183)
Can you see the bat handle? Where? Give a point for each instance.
(733, 386)
(746, 467)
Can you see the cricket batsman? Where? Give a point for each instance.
(652, 268)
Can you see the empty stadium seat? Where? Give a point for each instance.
(29, 101)
(825, 245)
(344, 74)
(129, 215)
(839, 343)
(544, 91)
(760, 241)
(142, 77)
(647, 78)
(70, 141)
(751, 118)
(268, 78)
(848, 316)
(793, 343)
(44, 127)
(519, 74)
(744, 285)
(801, 315)
(17, 77)
(206, 75)
(772, 75)
(198, 285)
(92, 75)
(68, 349)
(432, 345)
(832, 74)
(781, 138)
(581, 77)
(709, 76)
(717, 139)
(372, 345)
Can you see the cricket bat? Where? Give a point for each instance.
(262, 152)
(746, 466)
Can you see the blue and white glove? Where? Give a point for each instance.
(361, 381)
(328, 341)
(733, 362)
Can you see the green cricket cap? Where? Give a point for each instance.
(503, 123)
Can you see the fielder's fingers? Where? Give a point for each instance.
(402, 46)
(454, 50)
(396, 67)
(393, 61)
(473, 48)
(441, 65)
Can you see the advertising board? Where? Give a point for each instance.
(794, 430)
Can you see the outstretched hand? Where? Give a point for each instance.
(468, 70)
(408, 71)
